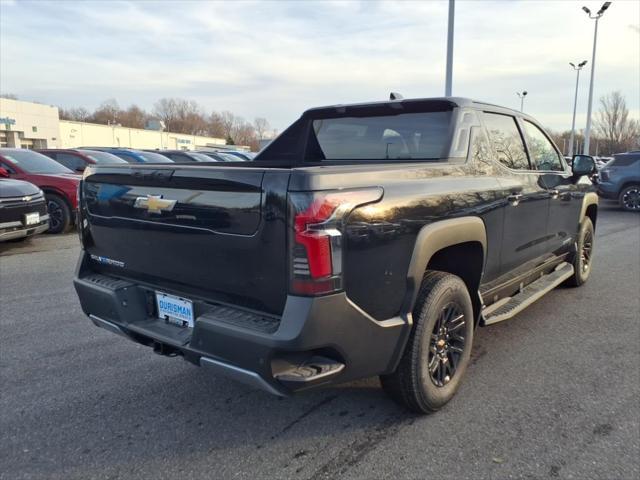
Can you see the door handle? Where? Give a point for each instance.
(514, 198)
(554, 194)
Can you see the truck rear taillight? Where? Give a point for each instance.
(317, 244)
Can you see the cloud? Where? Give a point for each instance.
(275, 59)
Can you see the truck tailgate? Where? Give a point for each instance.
(211, 231)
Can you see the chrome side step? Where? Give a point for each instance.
(511, 306)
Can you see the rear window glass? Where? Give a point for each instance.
(200, 157)
(102, 157)
(625, 160)
(407, 136)
(154, 157)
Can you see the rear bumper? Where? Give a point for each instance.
(608, 190)
(13, 230)
(247, 346)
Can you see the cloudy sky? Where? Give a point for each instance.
(275, 59)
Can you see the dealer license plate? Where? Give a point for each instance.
(175, 309)
(32, 218)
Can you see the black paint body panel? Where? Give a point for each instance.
(226, 240)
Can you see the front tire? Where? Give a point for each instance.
(59, 214)
(583, 256)
(629, 198)
(439, 347)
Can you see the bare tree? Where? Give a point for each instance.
(79, 114)
(166, 110)
(261, 127)
(216, 126)
(562, 140)
(245, 134)
(181, 116)
(133, 117)
(228, 121)
(107, 113)
(618, 132)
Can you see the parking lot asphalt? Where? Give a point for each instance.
(552, 393)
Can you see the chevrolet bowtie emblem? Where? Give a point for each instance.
(155, 203)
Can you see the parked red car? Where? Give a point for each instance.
(78, 159)
(58, 183)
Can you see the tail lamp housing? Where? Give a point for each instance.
(317, 241)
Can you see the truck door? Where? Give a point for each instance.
(565, 200)
(524, 196)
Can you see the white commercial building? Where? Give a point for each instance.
(33, 125)
(82, 134)
(28, 125)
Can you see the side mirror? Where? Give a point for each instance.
(4, 173)
(583, 165)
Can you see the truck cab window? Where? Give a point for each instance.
(405, 136)
(507, 141)
(543, 154)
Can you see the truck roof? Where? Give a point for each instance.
(453, 101)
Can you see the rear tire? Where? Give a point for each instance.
(439, 347)
(629, 198)
(583, 257)
(59, 214)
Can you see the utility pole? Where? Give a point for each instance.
(449, 77)
(521, 96)
(575, 103)
(595, 17)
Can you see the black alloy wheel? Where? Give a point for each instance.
(586, 251)
(439, 346)
(630, 198)
(447, 344)
(582, 257)
(59, 214)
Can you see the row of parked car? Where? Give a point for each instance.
(77, 159)
(38, 188)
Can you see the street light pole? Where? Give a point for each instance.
(521, 96)
(449, 75)
(575, 103)
(595, 17)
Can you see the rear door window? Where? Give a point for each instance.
(72, 162)
(507, 140)
(543, 154)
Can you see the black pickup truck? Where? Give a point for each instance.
(367, 239)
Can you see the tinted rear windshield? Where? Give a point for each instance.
(200, 157)
(407, 136)
(102, 157)
(154, 157)
(625, 159)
